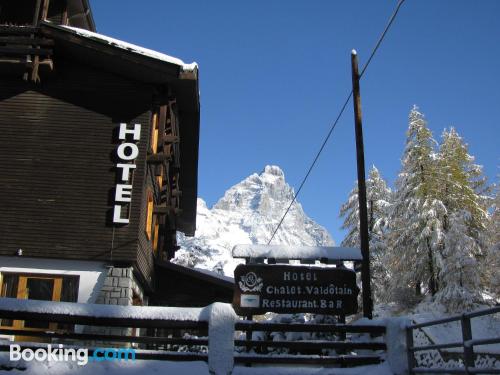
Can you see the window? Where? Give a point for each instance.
(37, 287)
(154, 133)
(9, 289)
(149, 215)
(156, 232)
(41, 289)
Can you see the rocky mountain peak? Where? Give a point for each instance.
(257, 193)
(248, 213)
(273, 170)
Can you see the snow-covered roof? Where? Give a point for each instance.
(296, 252)
(214, 274)
(214, 278)
(133, 48)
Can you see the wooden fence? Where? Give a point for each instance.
(467, 343)
(90, 323)
(314, 351)
(208, 335)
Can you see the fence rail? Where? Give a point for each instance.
(467, 344)
(190, 334)
(299, 327)
(315, 350)
(158, 334)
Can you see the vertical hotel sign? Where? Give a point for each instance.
(127, 152)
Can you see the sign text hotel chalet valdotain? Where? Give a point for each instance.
(261, 288)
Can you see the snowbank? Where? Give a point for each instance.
(103, 368)
(177, 368)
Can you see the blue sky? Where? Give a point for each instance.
(273, 75)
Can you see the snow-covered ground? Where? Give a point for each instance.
(103, 368)
(177, 368)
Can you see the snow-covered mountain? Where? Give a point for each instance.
(248, 213)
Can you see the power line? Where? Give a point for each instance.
(341, 112)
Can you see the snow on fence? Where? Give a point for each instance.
(217, 323)
(217, 319)
(319, 344)
(467, 343)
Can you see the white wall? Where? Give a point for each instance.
(92, 274)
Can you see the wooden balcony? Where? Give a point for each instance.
(23, 50)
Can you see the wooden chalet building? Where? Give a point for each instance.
(99, 152)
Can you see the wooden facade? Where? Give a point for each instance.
(63, 96)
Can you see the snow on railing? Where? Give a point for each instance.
(467, 343)
(85, 310)
(220, 318)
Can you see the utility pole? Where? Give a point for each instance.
(363, 214)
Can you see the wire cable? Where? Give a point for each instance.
(341, 112)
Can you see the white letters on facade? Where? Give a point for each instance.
(117, 213)
(123, 193)
(126, 152)
(125, 170)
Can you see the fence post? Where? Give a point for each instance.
(397, 345)
(467, 337)
(221, 322)
(410, 353)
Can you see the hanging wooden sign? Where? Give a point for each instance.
(261, 288)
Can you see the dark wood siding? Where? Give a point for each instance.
(58, 144)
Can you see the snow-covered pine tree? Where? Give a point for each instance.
(416, 214)
(377, 198)
(492, 260)
(459, 274)
(462, 184)
(462, 189)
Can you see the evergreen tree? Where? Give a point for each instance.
(459, 273)
(377, 198)
(462, 183)
(461, 188)
(492, 260)
(416, 219)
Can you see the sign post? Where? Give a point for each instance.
(363, 214)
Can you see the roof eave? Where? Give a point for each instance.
(183, 79)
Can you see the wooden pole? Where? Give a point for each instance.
(45, 10)
(363, 214)
(37, 13)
